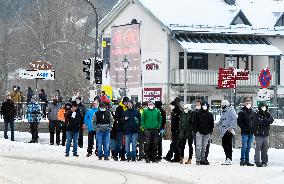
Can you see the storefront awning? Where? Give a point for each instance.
(227, 45)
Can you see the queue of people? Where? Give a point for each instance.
(127, 131)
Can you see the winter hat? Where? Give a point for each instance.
(125, 99)
(152, 100)
(130, 101)
(262, 104)
(225, 103)
(158, 104)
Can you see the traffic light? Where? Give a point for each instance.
(88, 69)
(98, 71)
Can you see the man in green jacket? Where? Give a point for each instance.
(151, 123)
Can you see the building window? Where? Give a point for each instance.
(194, 61)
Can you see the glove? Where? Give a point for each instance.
(141, 128)
(162, 132)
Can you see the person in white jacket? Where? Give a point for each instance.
(226, 125)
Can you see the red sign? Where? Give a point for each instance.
(40, 65)
(241, 74)
(227, 78)
(264, 78)
(152, 93)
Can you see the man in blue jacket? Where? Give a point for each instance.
(88, 121)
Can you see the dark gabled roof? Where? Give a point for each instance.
(242, 16)
(281, 18)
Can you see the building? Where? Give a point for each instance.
(202, 36)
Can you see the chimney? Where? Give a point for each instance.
(230, 2)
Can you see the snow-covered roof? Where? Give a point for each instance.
(210, 16)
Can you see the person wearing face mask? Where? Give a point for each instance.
(141, 136)
(245, 117)
(54, 125)
(186, 129)
(132, 119)
(88, 122)
(9, 113)
(82, 109)
(151, 122)
(261, 122)
(63, 111)
(103, 122)
(203, 126)
(175, 120)
(226, 126)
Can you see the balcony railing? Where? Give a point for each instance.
(210, 77)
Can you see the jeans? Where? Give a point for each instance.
(12, 127)
(261, 145)
(246, 145)
(131, 139)
(119, 147)
(72, 135)
(103, 139)
(201, 144)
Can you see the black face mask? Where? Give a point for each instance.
(224, 107)
(9, 100)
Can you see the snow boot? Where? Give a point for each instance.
(188, 161)
(181, 160)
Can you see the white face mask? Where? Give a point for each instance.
(172, 107)
(151, 107)
(186, 110)
(198, 107)
(102, 109)
(248, 106)
(204, 107)
(263, 108)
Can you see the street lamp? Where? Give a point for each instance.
(125, 63)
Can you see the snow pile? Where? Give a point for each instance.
(215, 173)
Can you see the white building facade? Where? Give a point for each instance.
(173, 39)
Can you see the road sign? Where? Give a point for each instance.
(241, 74)
(227, 78)
(264, 78)
(41, 65)
(37, 74)
(263, 95)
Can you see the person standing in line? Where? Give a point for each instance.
(88, 122)
(120, 147)
(103, 122)
(151, 123)
(262, 122)
(58, 96)
(82, 109)
(43, 101)
(132, 121)
(226, 125)
(245, 118)
(74, 120)
(159, 105)
(186, 129)
(30, 94)
(9, 113)
(203, 127)
(175, 120)
(16, 98)
(34, 116)
(141, 135)
(54, 125)
(62, 120)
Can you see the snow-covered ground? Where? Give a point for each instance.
(170, 172)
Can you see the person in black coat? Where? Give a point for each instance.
(245, 118)
(159, 105)
(74, 120)
(261, 125)
(8, 110)
(30, 94)
(203, 127)
(175, 120)
(82, 109)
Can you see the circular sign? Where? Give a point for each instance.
(264, 78)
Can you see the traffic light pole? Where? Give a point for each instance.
(97, 35)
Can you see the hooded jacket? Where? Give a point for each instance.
(74, 124)
(8, 110)
(151, 119)
(88, 119)
(203, 121)
(186, 125)
(33, 112)
(175, 119)
(261, 122)
(132, 124)
(228, 120)
(245, 120)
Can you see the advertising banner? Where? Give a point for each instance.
(125, 43)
